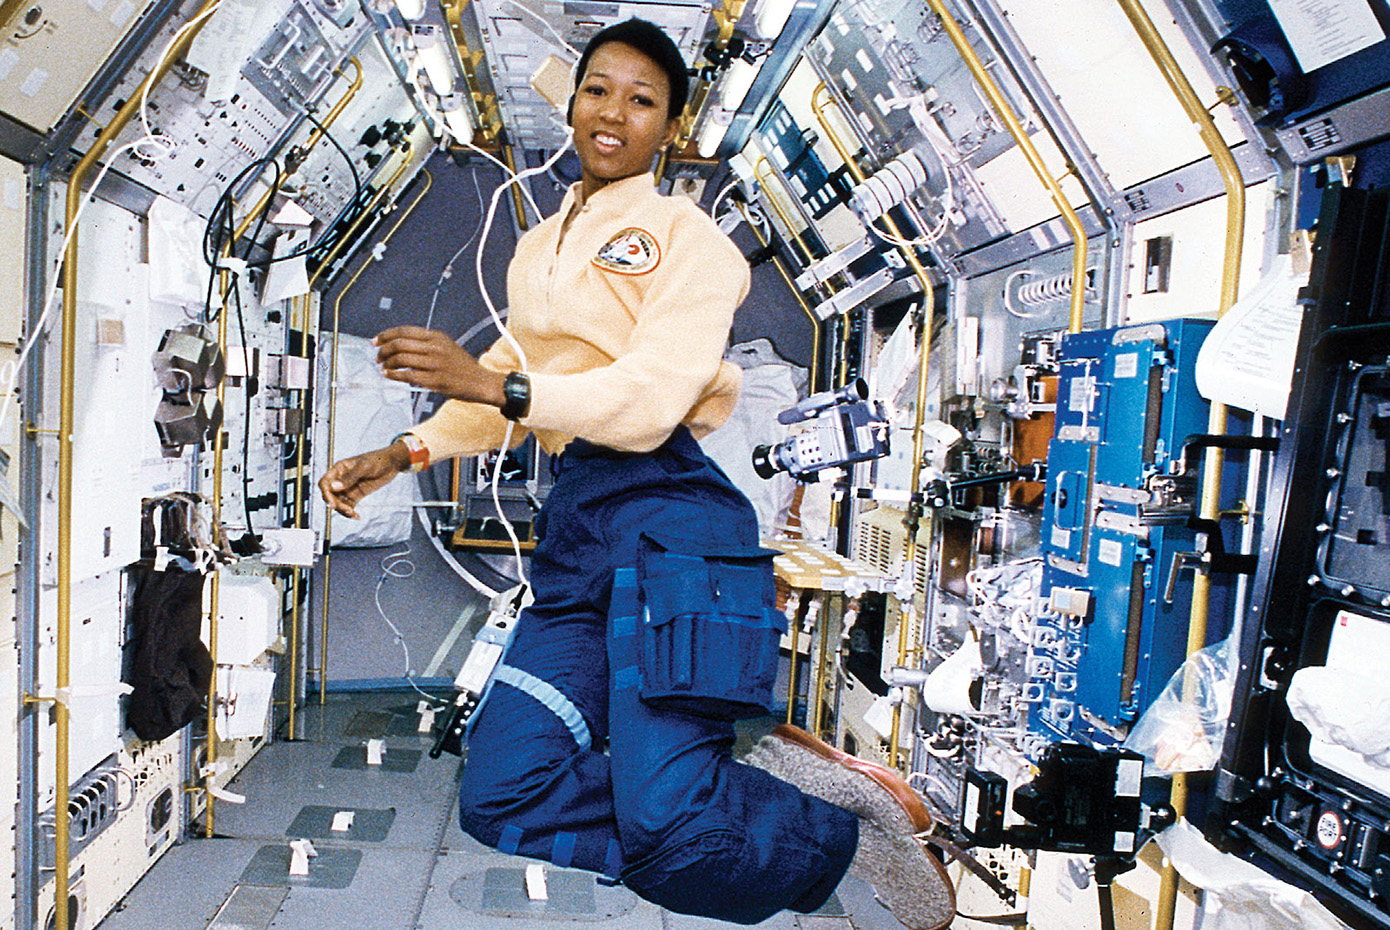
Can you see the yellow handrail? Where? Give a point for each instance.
(300, 321)
(333, 392)
(800, 302)
(791, 286)
(778, 209)
(314, 138)
(1006, 113)
(63, 633)
(1210, 504)
(219, 449)
(915, 510)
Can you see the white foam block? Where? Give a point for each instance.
(376, 748)
(301, 851)
(342, 821)
(535, 882)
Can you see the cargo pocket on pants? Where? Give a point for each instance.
(709, 627)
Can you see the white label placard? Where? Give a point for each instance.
(1110, 552)
(1127, 365)
(1323, 31)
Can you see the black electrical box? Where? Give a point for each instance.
(1307, 791)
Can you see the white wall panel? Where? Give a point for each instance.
(1199, 242)
(95, 671)
(12, 200)
(1111, 88)
(51, 49)
(110, 419)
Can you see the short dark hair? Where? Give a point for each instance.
(648, 39)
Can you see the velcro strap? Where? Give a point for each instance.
(551, 697)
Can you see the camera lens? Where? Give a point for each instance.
(762, 464)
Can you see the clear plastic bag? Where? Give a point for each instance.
(1182, 730)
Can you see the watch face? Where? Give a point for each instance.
(516, 389)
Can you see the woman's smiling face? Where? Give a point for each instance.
(620, 115)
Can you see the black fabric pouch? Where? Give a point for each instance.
(169, 670)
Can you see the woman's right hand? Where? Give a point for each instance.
(349, 480)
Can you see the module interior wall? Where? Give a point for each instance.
(12, 200)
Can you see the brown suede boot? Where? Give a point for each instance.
(906, 879)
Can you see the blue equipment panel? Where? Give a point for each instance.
(1113, 628)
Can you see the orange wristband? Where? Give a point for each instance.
(419, 452)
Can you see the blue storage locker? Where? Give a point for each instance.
(1115, 519)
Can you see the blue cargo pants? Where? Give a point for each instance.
(668, 810)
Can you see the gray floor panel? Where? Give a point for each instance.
(864, 911)
(185, 888)
(250, 907)
(368, 825)
(401, 761)
(406, 853)
(395, 722)
(331, 868)
(353, 717)
(785, 920)
(285, 777)
(383, 896)
(480, 892)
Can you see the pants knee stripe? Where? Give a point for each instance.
(551, 697)
(510, 839)
(562, 851)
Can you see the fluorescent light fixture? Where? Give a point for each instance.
(411, 9)
(710, 136)
(772, 16)
(433, 56)
(460, 124)
(735, 84)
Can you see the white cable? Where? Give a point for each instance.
(948, 202)
(1008, 300)
(397, 564)
(525, 189)
(511, 340)
(165, 147)
(448, 270)
(482, 246)
(497, 503)
(10, 369)
(719, 197)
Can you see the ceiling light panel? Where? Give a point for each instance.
(518, 35)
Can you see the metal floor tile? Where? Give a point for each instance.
(383, 896)
(481, 892)
(354, 758)
(368, 825)
(285, 777)
(250, 907)
(185, 888)
(332, 868)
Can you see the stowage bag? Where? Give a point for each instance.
(170, 670)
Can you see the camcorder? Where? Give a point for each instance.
(843, 428)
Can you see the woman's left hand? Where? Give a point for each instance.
(431, 360)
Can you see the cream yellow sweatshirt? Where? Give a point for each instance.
(623, 318)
